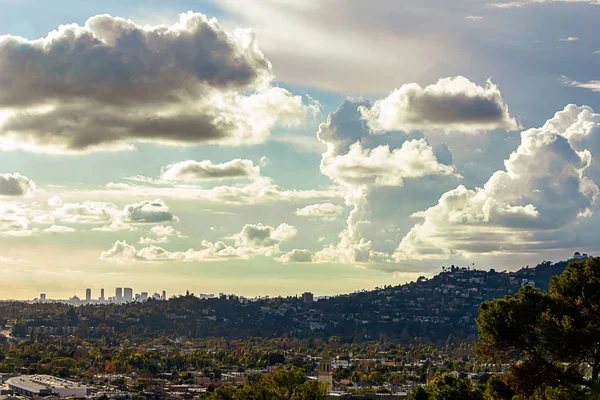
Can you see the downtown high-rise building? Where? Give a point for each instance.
(101, 294)
(128, 295)
(88, 294)
(119, 295)
(164, 295)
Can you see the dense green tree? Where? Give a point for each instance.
(497, 389)
(281, 384)
(551, 339)
(447, 387)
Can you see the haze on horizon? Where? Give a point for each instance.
(274, 147)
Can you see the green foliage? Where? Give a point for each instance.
(281, 384)
(550, 339)
(497, 389)
(447, 387)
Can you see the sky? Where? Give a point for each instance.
(272, 147)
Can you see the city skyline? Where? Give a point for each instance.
(271, 147)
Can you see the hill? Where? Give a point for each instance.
(430, 310)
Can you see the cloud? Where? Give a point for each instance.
(296, 256)
(107, 213)
(55, 202)
(11, 261)
(353, 47)
(321, 210)
(593, 85)
(260, 190)
(121, 252)
(523, 3)
(153, 211)
(59, 229)
(14, 221)
(544, 188)
(474, 18)
(150, 240)
(362, 162)
(381, 166)
(451, 105)
(89, 212)
(253, 240)
(163, 234)
(194, 171)
(569, 39)
(354, 158)
(111, 82)
(16, 185)
(165, 230)
(263, 238)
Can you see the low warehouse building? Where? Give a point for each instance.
(46, 385)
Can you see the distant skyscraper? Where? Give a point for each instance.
(144, 296)
(307, 297)
(88, 294)
(164, 295)
(102, 294)
(119, 295)
(42, 296)
(128, 295)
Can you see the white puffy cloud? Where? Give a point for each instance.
(121, 252)
(352, 247)
(381, 166)
(150, 211)
(111, 83)
(361, 162)
(321, 210)
(194, 171)
(55, 202)
(263, 238)
(16, 185)
(112, 217)
(165, 230)
(451, 105)
(296, 256)
(253, 240)
(163, 233)
(89, 212)
(544, 188)
(355, 158)
(150, 240)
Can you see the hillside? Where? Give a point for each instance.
(429, 309)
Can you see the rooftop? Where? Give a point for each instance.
(35, 383)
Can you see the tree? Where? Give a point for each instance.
(281, 384)
(552, 340)
(497, 389)
(447, 387)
